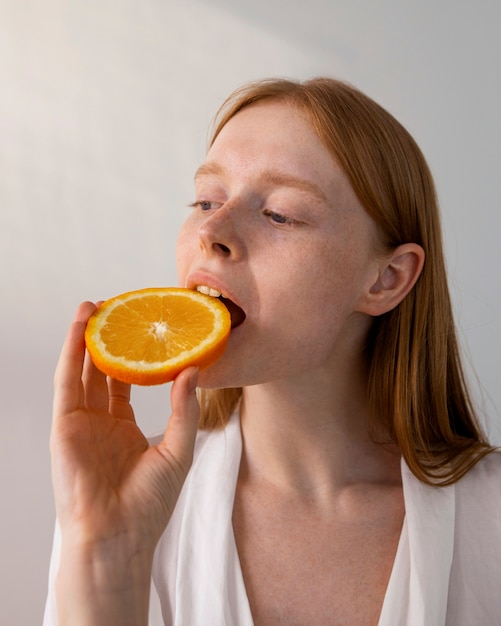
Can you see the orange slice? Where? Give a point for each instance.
(147, 337)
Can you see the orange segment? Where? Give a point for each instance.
(147, 337)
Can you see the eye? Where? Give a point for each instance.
(205, 205)
(278, 218)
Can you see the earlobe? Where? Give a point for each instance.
(397, 275)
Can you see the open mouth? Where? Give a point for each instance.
(236, 313)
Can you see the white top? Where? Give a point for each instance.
(447, 570)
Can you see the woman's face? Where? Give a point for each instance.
(277, 229)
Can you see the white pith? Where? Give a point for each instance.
(160, 330)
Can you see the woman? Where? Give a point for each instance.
(339, 475)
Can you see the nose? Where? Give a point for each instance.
(221, 234)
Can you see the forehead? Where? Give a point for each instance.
(277, 141)
(274, 124)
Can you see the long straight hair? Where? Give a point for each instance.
(416, 386)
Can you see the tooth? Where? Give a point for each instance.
(208, 291)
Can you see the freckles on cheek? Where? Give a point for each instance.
(181, 260)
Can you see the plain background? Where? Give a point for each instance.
(104, 110)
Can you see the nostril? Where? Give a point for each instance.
(222, 247)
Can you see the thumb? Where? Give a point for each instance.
(179, 438)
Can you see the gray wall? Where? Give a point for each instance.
(104, 108)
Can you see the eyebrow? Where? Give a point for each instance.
(276, 177)
(208, 168)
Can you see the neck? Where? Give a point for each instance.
(312, 436)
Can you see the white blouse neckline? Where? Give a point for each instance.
(204, 579)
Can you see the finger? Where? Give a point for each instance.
(95, 383)
(119, 400)
(179, 439)
(95, 386)
(68, 392)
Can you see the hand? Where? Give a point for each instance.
(110, 487)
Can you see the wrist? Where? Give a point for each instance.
(104, 583)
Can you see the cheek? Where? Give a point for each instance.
(183, 246)
(326, 280)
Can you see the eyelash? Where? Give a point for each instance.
(199, 205)
(276, 218)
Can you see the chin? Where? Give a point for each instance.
(215, 377)
(225, 375)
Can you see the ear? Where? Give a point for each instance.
(397, 275)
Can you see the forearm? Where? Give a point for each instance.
(103, 587)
